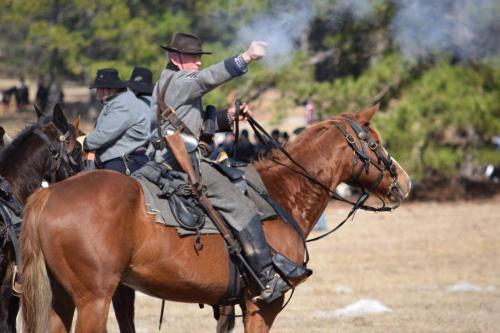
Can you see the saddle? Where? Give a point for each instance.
(168, 197)
(171, 186)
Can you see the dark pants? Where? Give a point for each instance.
(132, 161)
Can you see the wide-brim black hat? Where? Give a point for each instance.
(185, 43)
(108, 78)
(141, 81)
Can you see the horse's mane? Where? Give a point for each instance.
(17, 142)
(305, 136)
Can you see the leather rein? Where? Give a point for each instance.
(383, 164)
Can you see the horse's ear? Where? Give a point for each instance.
(59, 119)
(366, 115)
(39, 112)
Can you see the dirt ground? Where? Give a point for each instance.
(407, 260)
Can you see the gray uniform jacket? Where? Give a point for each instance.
(122, 126)
(152, 115)
(186, 89)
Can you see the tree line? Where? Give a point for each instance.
(441, 107)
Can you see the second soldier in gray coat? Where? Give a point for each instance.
(141, 84)
(122, 129)
(186, 85)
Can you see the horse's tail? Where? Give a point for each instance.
(37, 296)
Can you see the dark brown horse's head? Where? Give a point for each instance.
(369, 165)
(63, 136)
(47, 149)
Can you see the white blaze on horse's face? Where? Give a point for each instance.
(404, 180)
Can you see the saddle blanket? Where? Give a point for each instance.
(160, 208)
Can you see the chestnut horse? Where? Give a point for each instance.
(84, 236)
(24, 164)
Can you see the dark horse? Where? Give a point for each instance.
(24, 164)
(97, 233)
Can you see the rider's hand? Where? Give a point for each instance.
(256, 51)
(244, 112)
(90, 156)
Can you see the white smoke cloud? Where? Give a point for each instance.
(360, 9)
(467, 29)
(282, 28)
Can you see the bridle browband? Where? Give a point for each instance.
(58, 156)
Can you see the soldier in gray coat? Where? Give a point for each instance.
(122, 129)
(141, 84)
(186, 85)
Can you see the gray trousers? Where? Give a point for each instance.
(226, 198)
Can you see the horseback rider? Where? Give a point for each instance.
(122, 129)
(141, 84)
(184, 84)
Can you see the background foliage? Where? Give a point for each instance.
(441, 106)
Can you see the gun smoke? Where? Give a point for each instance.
(283, 28)
(465, 29)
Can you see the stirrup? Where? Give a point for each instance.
(275, 288)
(17, 287)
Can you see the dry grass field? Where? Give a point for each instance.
(407, 260)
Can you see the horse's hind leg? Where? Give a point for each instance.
(63, 309)
(92, 315)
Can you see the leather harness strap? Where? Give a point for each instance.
(6, 217)
(8, 198)
(167, 113)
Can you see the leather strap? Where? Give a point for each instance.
(167, 113)
(8, 198)
(237, 106)
(10, 231)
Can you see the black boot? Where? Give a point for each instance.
(259, 257)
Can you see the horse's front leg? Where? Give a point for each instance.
(259, 317)
(123, 303)
(225, 320)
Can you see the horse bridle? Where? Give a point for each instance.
(58, 156)
(383, 164)
(387, 163)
